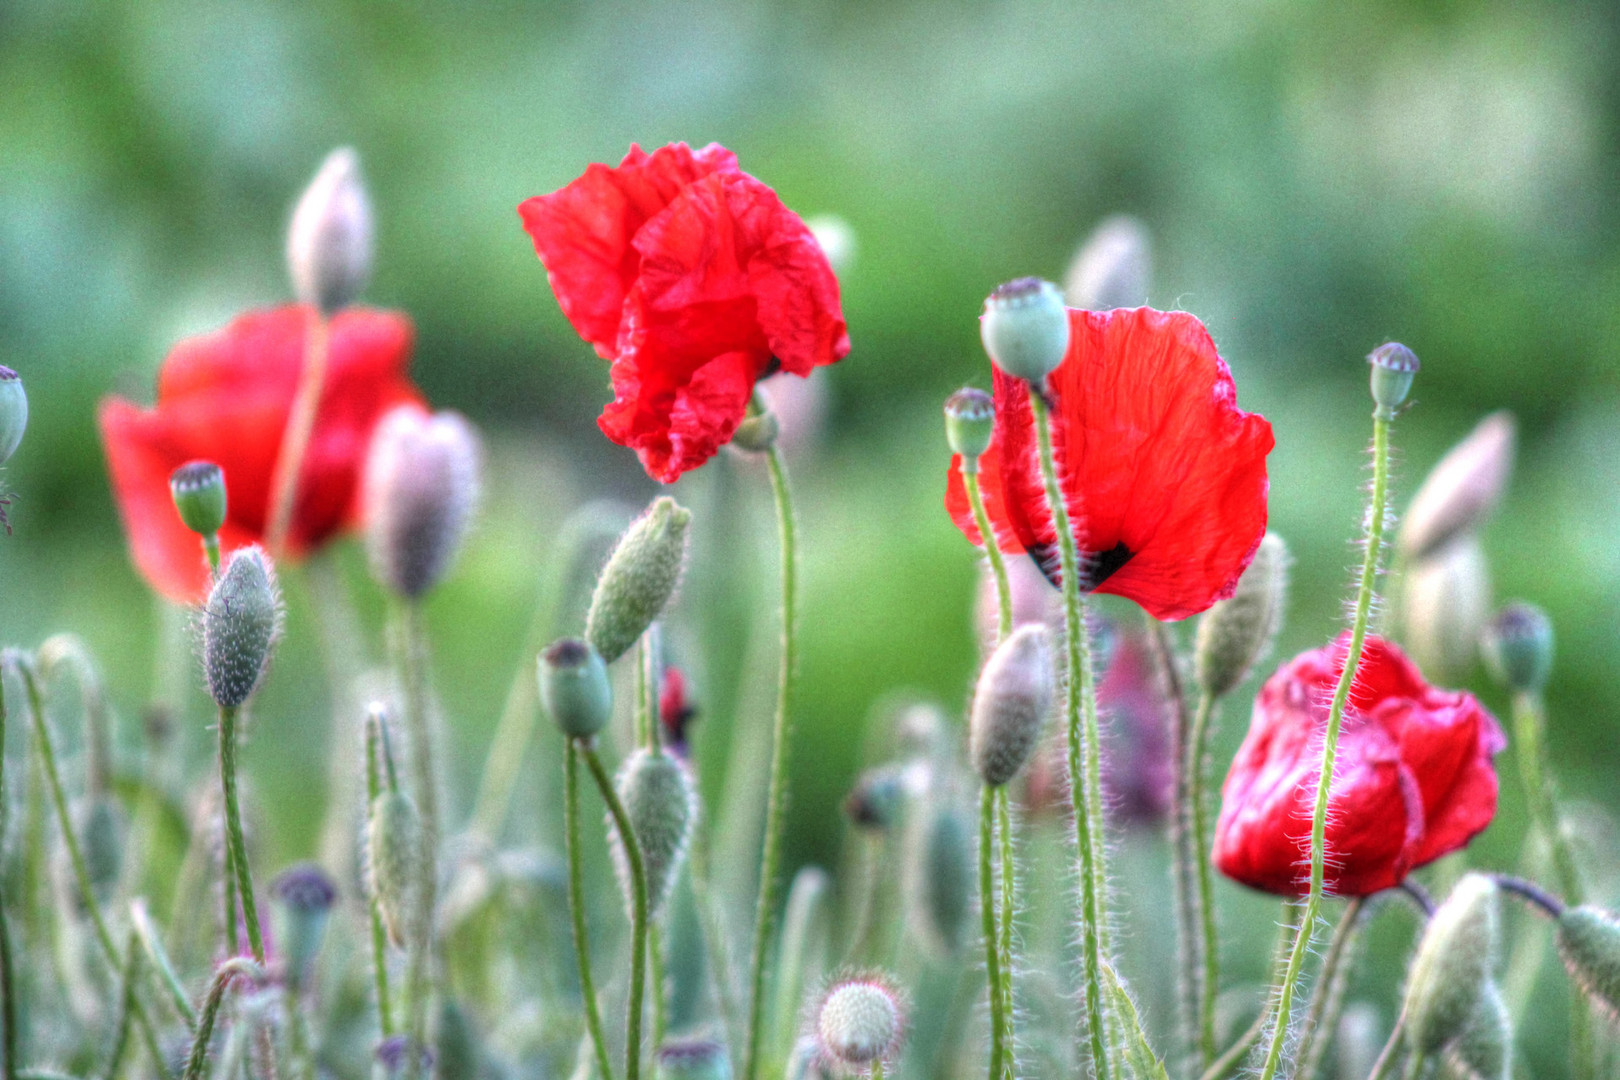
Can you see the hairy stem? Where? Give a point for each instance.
(228, 972)
(998, 565)
(638, 909)
(1327, 998)
(992, 942)
(1008, 900)
(1196, 770)
(235, 845)
(411, 643)
(576, 909)
(159, 956)
(376, 749)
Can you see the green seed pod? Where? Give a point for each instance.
(198, 489)
(1011, 704)
(1454, 964)
(1589, 942)
(970, 418)
(939, 876)
(574, 688)
(693, 1059)
(878, 799)
(456, 1054)
(758, 432)
(394, 859)
(860, 1021)
(101, 841)
(420, 490)
(1518, 647)
(1113, 268)
(329, 241)
(639, 579)
(240, 624)
(1446, 598)
(661, 804)
(1025, 328)
(13, 413)
(1236, 632)
(1485, 1050)
(303, 896)
(1393, 368)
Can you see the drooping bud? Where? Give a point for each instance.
(1446, 599)
(240, 625)
(1453, 966)
(1589, 942)
(1234, 633)
(1393, 368)
(1010, 705)
(878, 799)
(13, 413)
(455, 1044)
(198, 489)
(758, 431)
(639, 578)
(1485, 1050)
(420, 488)
(693, 1059)
(303, 896)
(394, 860)
(939, 875)
(1518, 647)
(1112, 268)
(1461, 491)
(837, 239)
(1025, 328)
(661, 804)
(574, 688)
(970, 416)
(329, 241)
(860, 1021)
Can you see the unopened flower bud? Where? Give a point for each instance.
(970, 417)
(1025, 328)
(13, 413)
(198, 489)
(329, 241)
(1453, 966)
(1589, 942)
(455, 1044)
(1461, 491)
(1393, 368)
(693, 1059)
(240, 624)
(421, 484)
(1446, 599)
(661, 804)
(1011, 703)
(757, 433)
(878, 799)
(639, 578)
(1113, 267)
(303, 896)
(574, 688)
(1518, 647)
(394, 860)
(860, 1021)
(939, 876)
(1234, 633)
(1485, 1050)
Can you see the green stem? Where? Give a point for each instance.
(1330, 743)
(1080, 706)
(126, 1009)
(1238, 1052)
(141, 920)
(1196, 770)
(776, 797)
(211, 549)
(376, 748)
(232, 969)
(714, 937)
(1008, 899)
(412, 647)
(998, 565)
(228, 892)
(576, 909)
(8, 986)
(1183, 857)
(992, 941)
(655, 977)
(1415, 1063)
(1328, 996)
(235, 845)
(638, 909)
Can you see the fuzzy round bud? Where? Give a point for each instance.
(394, 859)
(970, 417)
(13, 413)
(1393, 368)
(693, 1059)
(240, 624)
(419, 491)
(1025, 328)
(1453, 966)
(198, 489)
(1013, 699)
(1446, 600)
(878, 799)
(1461, 491)
(1112, 268)
(329, 241)
(303, 896)
(860, 1021)
(661, 804)
(758, 432)
(1589, 943)
(1234, 633)
(1518, 647)
(1485, 1050)
(939, 876)
(639, 578)
(574, 688)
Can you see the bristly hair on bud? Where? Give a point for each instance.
(1025, 328)
(1011, 704)
(394, 860)
(1518, 647)
(198, 490)
(419, 492)
(574, 688)
(13, 413)
(970, 417)
(1485, 1050)
(1393, 368)
(1589, 943)
(661, 803)
(860, 1020)
(1455, 963)
(1113, 268)
(639, 579)
(241, 623)
(1462, 490)
(1236, 632)
(693, 1059)
(329, 241)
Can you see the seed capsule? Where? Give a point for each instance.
(198, 489)
(693, 1059)
(574, 688)
(303, 896)
(13, 413)
(1393, 368)
(1025, 328)
(639, 579)
(1518, 647)
(241, 623)
(970, 417)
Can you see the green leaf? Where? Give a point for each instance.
(1144, 1064)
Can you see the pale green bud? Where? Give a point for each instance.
(394, 860)
(1025, 328)
(1461, 491)
(1011, 704)
(970, 419)
(241, 623)
(1446, 600)
(419, 493)
(860, 1021)
(574, 688)
(1393, 368)
(661, 804)
(1454, 964)
(1234, 633)
(1518, 647)
(1589, 942)
(1113, 268)
(639, 579)
(198, 489)
(758, 432)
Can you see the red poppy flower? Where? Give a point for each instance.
(1163, 476)
(224, 397)
(675, 709)
(695, 281)
(1412, 779)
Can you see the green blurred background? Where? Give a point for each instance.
(1318, 178)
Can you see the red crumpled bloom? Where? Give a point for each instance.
(1163, 476)
(695, 281)
(224, 397)
(1412, 779)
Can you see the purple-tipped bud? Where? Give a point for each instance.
(693, 1059)
(240, 625)
(1025, 328)
(1518, 647)
(859, 1022)
(970, 417)
(13, 413)
(198, 489)
(1013, 699)
(1461, 491)
(1393, 368)
(1113, 268)
(329, 241)
(421, 486)
(303, 895)
(394, 1055)
(574, 688)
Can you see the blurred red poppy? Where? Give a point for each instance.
(696, 282)
(1412, 781)
(224, 397)
(675, 708)
(1164, 477)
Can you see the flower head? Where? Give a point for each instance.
(1163, 476)
(1413, 779)
(696, 282)
(859, 1020)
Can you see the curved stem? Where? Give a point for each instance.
(1196, 770)
(1183, 856)
(576, 909)
(376, 748)
(126, 1009)
(235, 845)
(412, 648)
(998, 565)
(1540, 899)
(1008, 901)
(987, 911)
(776, 796)
(159, 956)
(295, 437)
(1328, 996)
(655, 978)
(638, 909)
(232, 969)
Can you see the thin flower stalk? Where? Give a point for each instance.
(638, 910)
(295, 440)
(236, 861)
(141, 921)
(411, 644)
(576, 910)
(992, 943)
(1004, 829)
(227, 973)
(1196, 771)
(992, 551)
(377, 759)
(1327, 999)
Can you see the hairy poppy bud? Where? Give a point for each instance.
(1025, 328)
(860, 1021)
(939, 876)
(1236, 631)
(13, 413)
(303, 896)
(639, 578)
(1013, 699)
(1453, 965)
(661, 805)
(1113, 267)
(329, 241)
(1518, 647)
(1446, 599)
(970, 416)
(1485, 1050)
(1393, 368)
(574, 688)
(421, 485)
(1462, 490)
(693, 1059)
(1589, 942)
(240, 623)
(758, 431)
(878, 798)
(394, 859)
(198, 489)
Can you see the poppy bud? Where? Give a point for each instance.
(240, 624)
(1461, 491)
(394, 1055)
(1453, 965)
(1233, 634)
(878, 798)
(1112, 268)
(13, 413)
(693, 1059)
(303, 896)
(198, 488)
(1025, 328)
(1447, 597)
(421, 483)
(1393, 367)
(757, 433)
(574, 688)
(393, 859)
(1518, 647)
(329, 241)
(1589, 942)
(939, 873)
(661, 805)
(1485, 1049)
(639, 578)
(455, 1044)
(860, 1021)
(1011, 703)
(970, 416)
